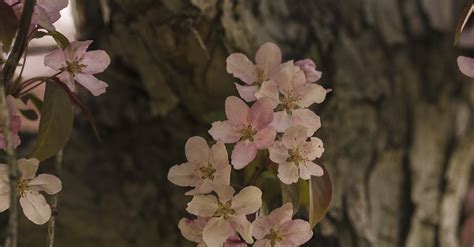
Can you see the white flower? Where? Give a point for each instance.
(227, 213)
(35, 206)
(206, 169)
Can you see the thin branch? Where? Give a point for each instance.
(54, 203)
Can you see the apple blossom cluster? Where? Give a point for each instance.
(272, 119)
(73, 65)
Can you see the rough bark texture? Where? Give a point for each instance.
(398, 127)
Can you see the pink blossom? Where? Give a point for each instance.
(249, 128)
(294, 155)
(268, 60)
(206, 169)
(467, 234)
(192, 231)
(35, 207)
(466, 66)
(279, 230)
(291, 95)
(227, 213)
(15, 124)
(45, 14)
(75, 64)
(309, 69)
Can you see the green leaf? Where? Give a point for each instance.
(463, 18)
(320, 195)
(290, 193)
(8, 25)
(60, 39)
(55, 124)
(29, 114)
(36, 101)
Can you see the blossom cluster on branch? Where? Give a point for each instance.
(274, 134)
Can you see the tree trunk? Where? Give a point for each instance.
(398, 127)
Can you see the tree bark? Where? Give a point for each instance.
(398, 127)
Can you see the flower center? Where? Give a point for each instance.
(295, 157)
(224, 210)
(247, 133)
(260, 76)
(74, 67)
(22, 186)
(288, 101)
(274, 237)
(207, 171)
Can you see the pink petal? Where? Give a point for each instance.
(28, 168)
(224, 132)
(68, 79)
(4, 201)
(41, 17)
(184, 174)
(297, 231)
(313, 149)
(309, 69)
(288, 173)
(280, 215)
(264, 138)
(35, 207)
(268, 57)
(261, 227)
(307, 118)
(309, 169)
(269, 89)
(260, 114)
(241, 67)
(55, 60)
(263, 243)
(247, 92)
(466, 65)
(222, 177)
(236, 111)
(281, 121)
(47, 183)
(219, 155)
(94, 85)
(295, 137)
(225, 193)
(247, 201)
(216, 232)
(96, 62)
(197, 150)
(241, 225)
(192, 229)
(203, 205)
(278, 153)
(244, 152)
(76, 50)
(312, 93)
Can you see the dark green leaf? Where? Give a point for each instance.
(55, 124)
(60, 39)
(29, 114)
(465, 14)
(8, 25)
(289, 193)
(36, 101)
(320, 195)
(39, 34)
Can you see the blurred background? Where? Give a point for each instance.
(398, 126)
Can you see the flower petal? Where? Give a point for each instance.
(281, 121)
(264, 138)
(225, 193)
(28, 168)
(297, 231)
(35, 207)
(261, 227)
(313, 149)
(68, 79)
(244, 152)
(281, 215)
(268, 58)
(270, 90)
(96, 62)
(288, 173)
(247, 92)
(216, 232)
(94, 85)
(310, 94)
(236, 111)
(192, 229)
(278, 153)
(263, 243)
(243, 227)
(76, 50)
(184, 174)
(295, 137)
(260, 114)
(307, 118)
(203, 205)
(309, 169)
(47, 183)
(219, 156)
(55, 60)
(247, 201)
(197, 150)
(223, 131)
(4, 201)
(309, 69)
(466, 66)
(241, 67)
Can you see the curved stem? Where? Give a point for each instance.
(54, 203)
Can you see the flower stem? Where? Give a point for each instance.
(54, 203)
